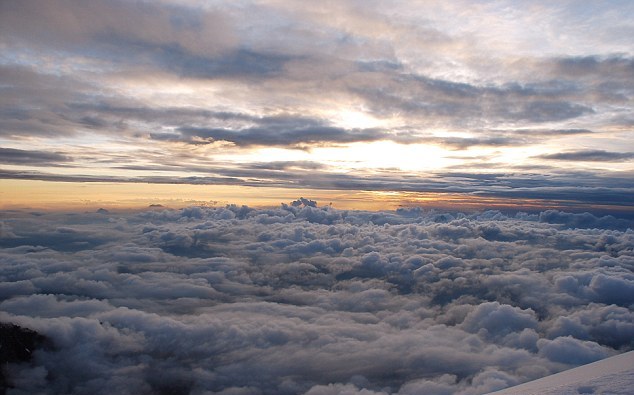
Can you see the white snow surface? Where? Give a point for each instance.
(614, 376)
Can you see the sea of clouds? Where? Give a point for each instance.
(312, 300)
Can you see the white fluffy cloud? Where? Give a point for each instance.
(312, 300)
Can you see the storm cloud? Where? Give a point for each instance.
(309, 299)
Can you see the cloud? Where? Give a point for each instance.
(182, 42)
(23, 157)
(46, 95)
(499, 138)
(492, 141)
(340, 389)
(552, 132)
(569, 349)
(441, 99)
(286, 165)
(187, 74)
(590, 156)
(562, 189)
(76, 25)
(581, 220)
(610, 66)
(310, 299)
(236, 64)
(274, 136)
(500, 319)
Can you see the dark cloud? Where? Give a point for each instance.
(278, 131)
(545, 111)
(100, 28)
(311, 135)
(607, 67)
(443, 99)
(590, 156)
(309, 299)
(532, 132)
(196, 63)
(46, 96)
(554, 132)
(581, 220)
(23, 157)
(236, 64)
(491, 138)
(461, 143)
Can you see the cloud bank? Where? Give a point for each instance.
(312, 300)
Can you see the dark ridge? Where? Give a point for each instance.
(17, 345)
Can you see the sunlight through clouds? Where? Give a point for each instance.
(386, 155)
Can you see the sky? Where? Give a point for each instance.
(462, 103)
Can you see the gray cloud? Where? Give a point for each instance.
(613, 67)
(285, 165)
(308, 299)
(442, 99)
(311, 135)
(203, 44)
(77, 25)
(461, 143)
(590, 156)
(560, 132)
(45, 95)
(285, 130)
(236, 64)
(24, 157)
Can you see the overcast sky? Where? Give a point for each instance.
(523, 100)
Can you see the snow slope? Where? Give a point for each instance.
(614, 376)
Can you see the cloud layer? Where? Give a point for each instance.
(310, 300)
